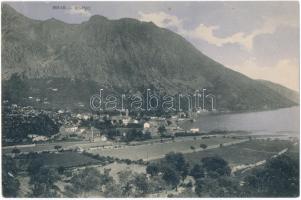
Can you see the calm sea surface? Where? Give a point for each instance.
(276, 122)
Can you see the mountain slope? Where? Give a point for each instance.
(123, 55)
(284, 91)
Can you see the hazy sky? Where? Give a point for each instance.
(259, 39)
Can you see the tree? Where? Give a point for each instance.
(199, 187)
(61, 169)
(35, 166)
(219, 187)
(203, 146)
(16, 88)
(16, 151)
(130, 185)
(152, 169)
(120, 122)
(177, 162)
(113, 189)
(125, 183)
(141, 184)
(185, 170)
(57, 147)
(136, 135)
(226, 187)
(87, 180)
(171, 176)
(18, 127)
(157, 184)
(192, 148)
(43, 182)
(107, 122)
(279, 178)
(10, 183)
(217, 165)
(197, 172)
(162, 130)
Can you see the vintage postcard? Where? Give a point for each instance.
(150, 99)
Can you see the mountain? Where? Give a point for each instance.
(120, 55)
(284, 91)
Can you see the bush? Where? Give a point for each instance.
(61, 170)
(217, 165)
(16, 151)
(88, 179)
(153, 169)
(127, 161)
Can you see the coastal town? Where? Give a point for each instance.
(109, 145)
(64, 125)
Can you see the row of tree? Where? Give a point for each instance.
(212, 177)
(18, 127)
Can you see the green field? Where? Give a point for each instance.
(65, 159)
(244, 153)
(158, 150)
